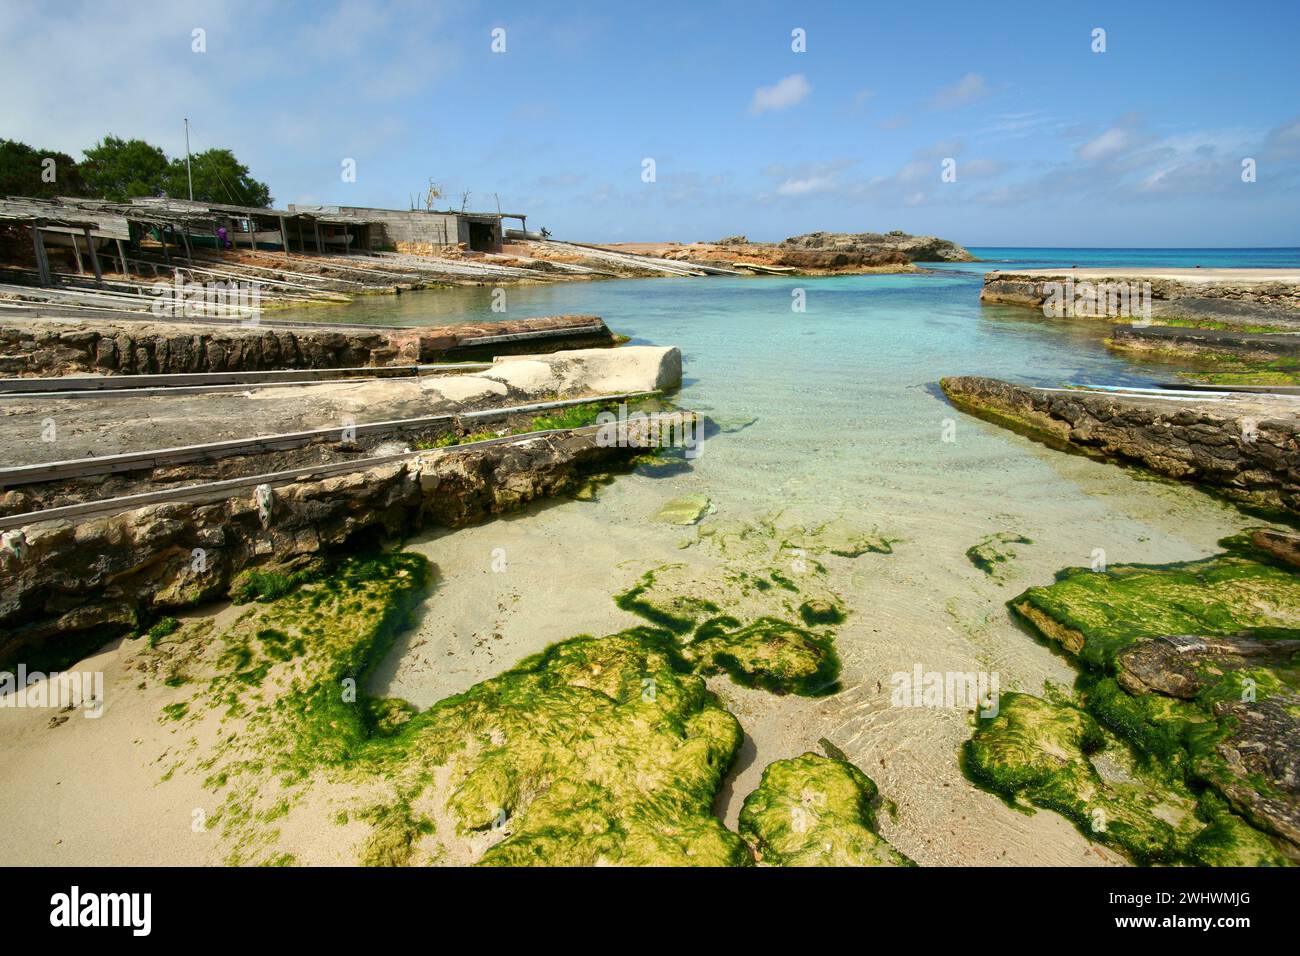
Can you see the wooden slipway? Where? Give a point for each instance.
(166, 457)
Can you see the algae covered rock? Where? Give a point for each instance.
(815, 811)
(1093, 614)
(769, 654)
(838, 536)
(686, 510)
(1056, 756)
(1197, 665)
(597, 751)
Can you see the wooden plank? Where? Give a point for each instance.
(42, 264)
(121, 255)
(76, 253)
(94, 260)
(518, 336)
(128, 386)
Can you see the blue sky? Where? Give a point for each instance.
(1053, 144)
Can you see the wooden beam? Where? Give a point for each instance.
(284, 237)
(94, 259)
(121, 255)
(76, 253)
(162, 236)
(320, 243)
(42, 263)
(185, 238)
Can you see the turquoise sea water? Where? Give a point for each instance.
(1028, 258)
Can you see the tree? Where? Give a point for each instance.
(25, 171)
(218, 178)
(118, 169)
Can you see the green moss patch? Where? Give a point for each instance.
(769, 648)
(598, 750)
(770, 654)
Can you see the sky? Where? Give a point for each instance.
(692, 121)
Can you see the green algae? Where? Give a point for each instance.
(770, 651)
(597, 750)
(1056, 756)
(769, 654)
(163, 628)
(790, 541)
(817, 612)
(176, 711)
(395, 834)
(992, 553)
(266, 585)
(816, 811)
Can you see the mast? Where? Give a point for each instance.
(188, 174)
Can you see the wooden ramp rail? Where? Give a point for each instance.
(78, 386)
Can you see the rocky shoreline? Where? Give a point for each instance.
(816, 253)
(1246, 447)
(1231, 297)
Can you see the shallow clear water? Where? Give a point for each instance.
(847, 422)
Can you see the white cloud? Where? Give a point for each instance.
(787, 92)
(802, 187)
(1113, 142)
(971, 87)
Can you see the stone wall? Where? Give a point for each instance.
(46, 346)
